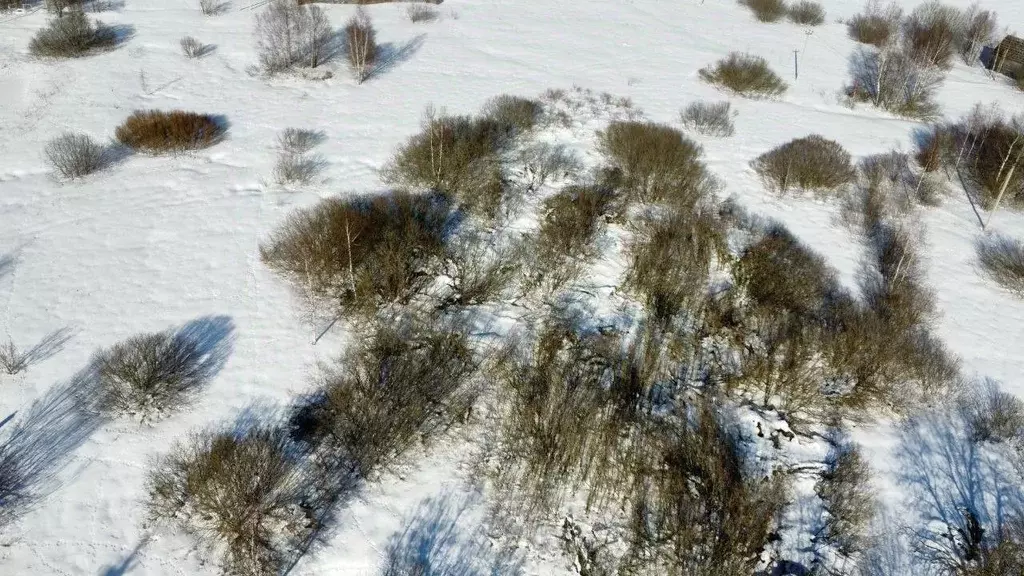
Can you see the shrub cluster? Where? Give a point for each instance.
(991, 414)
(709, 118)
(290, 34)
(571, 220)
(893, 80)
(72, 36)
(359, 253)
(1002, 259)
(931, 33)
(421, 13)
(845, 489)
(809, 163)
(746, 75)
(157, 131)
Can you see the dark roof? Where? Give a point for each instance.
(1012, 48)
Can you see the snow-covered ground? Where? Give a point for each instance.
(157, 242)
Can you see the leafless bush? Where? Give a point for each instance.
(421, 13)
(658, 163)
(931, 32)
(807, 12)
(809, 163)
(76, 155)
(405, 382)
(362, 45)
(991, 414)
(72, 36)
(878, 26)
(12, 360)
(977, 31)
(6, 5)
(297, 168)
(746, 75)
(933, 146)
(359, 253)
(1002, 259)
(479, 270)
(709, 118)
(246, 495)
(515, 114)
(671, 261)
(149, 375)
(193, 48)
(59, 7)
(766, 10)
(457, 156)
(571, 221)
(289, 35)
(156, 131)
(540, 162)
(212, 7)
(891, 79)
(299, 140)
(845, 488)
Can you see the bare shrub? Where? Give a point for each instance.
(931, 32)
(299, 140)
(570, 223)
(994, 159)
(878, 25)
(992, 415)
(150, 375)
(809, 163)
(212, 7)
(977, 31)
(76, 155)
(699, 511)
(297, 168)
(405, 382)
(457, 156)
(658, 163)
(671, 260)
(540, 163)
(709, 118)
(745, 74)
(845, 489)
(72, 36)
(514, 114)
(1002, 259)
(421, 13)
(59, 7)
(479, 270)
(13, 360)
(807, 13)
(932, 147)
(359, 253)
(891, 79)
(289, 35)
(6, 5)
(766, 10)
(157, 131)
(193, 48)
(362, 45)
(246, 495)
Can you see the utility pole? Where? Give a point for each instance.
(796, 65)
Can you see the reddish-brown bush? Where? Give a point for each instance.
(156, 131)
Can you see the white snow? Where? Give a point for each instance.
(156, 242)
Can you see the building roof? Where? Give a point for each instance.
(1012, 47)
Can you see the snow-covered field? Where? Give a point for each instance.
(157, 242)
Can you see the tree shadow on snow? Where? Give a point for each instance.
(122, 567)
(390, 55)
(441, 539)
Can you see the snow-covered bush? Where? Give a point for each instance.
(1002, 259)
(245, 495)
(877, 25)
(72, 36)
(293, 35)
(359, 253)
(746, 75)
(403, 383)
(658, 163)
(149, 374)
(157, 131)
(806, 12)
(891, 79)
(809, 163)
(766, 10)
(363, 51)
(709, 118)
(845, 489)
(76, 155)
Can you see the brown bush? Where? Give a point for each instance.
(359, 253)
(845, 489)
(746, 75)
(932, 147)
(404, 383)
(807, 12)
(809, 163)
(246, 495)
(156, 131)
(766, 10)
(930, 34)
(570, 222)
(658, 163)
(514, 114)
(877, 26)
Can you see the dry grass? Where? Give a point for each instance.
(359, 253)
(746, 75)
(157, 131)
(809, 163)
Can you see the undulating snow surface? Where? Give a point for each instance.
(158, 242)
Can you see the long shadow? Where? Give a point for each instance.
(436, 541)
(6, 264)
(203, 346)
(391, 55)
(122, 567)
(42, 440)
(46, 348)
